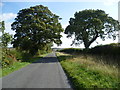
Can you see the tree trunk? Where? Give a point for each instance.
(88, 43)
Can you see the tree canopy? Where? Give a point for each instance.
(88, 25)
(36, 27)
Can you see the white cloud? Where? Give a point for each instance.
(7, 16)
(110, 2)
(64, 25)
(8, 28)
(1, 4)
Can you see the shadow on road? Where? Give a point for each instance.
(47, 60)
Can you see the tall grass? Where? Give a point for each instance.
(109, 54)
(89, 72)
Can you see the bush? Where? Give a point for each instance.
(7, 60)
(14, 55)
(109, 54)
(111, 49)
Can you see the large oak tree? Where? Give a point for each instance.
(88, 25)
(36, 27)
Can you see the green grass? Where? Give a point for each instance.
(18, 65)
(0, 72)
(12, 68)
(0, 53)
(87, 73)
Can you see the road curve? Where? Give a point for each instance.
(44, 73)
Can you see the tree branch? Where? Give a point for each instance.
(94, 38)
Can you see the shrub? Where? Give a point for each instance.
(111, 49)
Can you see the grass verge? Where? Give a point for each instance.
(86, 73)
(18, 65)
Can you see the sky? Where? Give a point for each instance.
(66, 10)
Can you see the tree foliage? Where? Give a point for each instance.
(5, 39)
(88, 25)
(2, 26)
(36, 27)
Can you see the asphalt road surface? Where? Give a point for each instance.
(44, 73)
